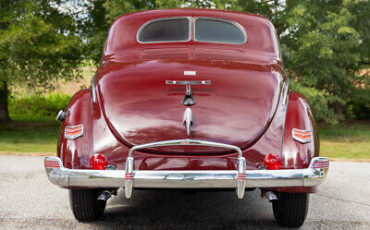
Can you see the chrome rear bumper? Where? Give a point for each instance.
(239, 179)
(64, 177)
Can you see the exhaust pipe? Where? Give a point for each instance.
(105, 195)
(270, 196)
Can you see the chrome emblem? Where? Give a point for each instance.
(188, 100)
(190, 73)
(187, 120)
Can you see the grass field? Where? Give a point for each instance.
(345, 141)
(29, 137)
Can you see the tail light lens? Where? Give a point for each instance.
(98, 162)
(321, 164)
(272, 162)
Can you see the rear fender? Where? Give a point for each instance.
(299, 115)
(294, 154)
(76, 153)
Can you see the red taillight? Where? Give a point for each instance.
(98, 162)
(272, 162)
(323, 164)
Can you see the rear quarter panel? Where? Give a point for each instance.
(299, 115)
(296, 155)
(76, 153)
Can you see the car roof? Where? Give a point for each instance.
(260, 31)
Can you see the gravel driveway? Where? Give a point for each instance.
(29, 201)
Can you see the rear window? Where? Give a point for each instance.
(165, 30)
(219, 31)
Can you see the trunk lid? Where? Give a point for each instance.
(236, 108)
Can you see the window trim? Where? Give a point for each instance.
(240, 27)
(163, 19)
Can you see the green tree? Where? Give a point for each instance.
(274, 10)
(323, 54)
(38, 43)
(325, 45)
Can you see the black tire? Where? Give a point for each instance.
(290, 210)
(84, 204)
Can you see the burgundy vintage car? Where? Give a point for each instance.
(189, 99)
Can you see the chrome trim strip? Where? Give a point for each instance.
(308, 177)
(221, 20)
(181, 82)
(285, 110)
(93, 90)
(162, 19)
(285, 93)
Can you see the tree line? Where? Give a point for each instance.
(325, 44)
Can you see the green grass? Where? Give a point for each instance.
(29, 137)
(345, 141)
(345, 150)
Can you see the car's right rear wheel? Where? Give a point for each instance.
(85, 204)
(290, 210)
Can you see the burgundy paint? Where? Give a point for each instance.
(243, 106)
(76, 153)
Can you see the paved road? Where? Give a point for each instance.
(29, 201)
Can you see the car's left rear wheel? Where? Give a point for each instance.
(290, 210)
(85, 204)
